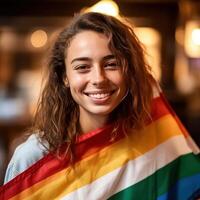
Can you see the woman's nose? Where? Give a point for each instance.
(98, 76)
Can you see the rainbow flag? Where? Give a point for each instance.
(158, 162)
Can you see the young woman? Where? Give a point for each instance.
(96, 75)
(93, 115)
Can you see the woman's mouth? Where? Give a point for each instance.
(99, 97)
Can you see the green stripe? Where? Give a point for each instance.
(160, 181)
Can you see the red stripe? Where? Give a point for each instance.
(159, 108)
(87, 144)
(165, 102)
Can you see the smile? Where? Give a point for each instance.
(99, 95)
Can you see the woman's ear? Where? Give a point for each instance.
(66, 82)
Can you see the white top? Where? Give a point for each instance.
(25, 155)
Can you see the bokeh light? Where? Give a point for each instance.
(38, 38)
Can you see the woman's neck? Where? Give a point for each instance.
(90, 122)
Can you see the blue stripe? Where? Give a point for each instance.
(183, 189)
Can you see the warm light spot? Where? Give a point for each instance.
(196, 36)
(38, 38)
(148, 36)
(8, 39)
(108, 7)
(192, 39)
(151, 40)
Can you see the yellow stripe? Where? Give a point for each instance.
(103, 162)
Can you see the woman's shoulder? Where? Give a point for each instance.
(25, 155)
(30, 150)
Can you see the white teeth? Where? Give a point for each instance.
(99, 95)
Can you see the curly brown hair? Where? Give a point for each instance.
(57, 115)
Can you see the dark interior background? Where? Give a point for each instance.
(21, 17)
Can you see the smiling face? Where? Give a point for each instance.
(96, 82)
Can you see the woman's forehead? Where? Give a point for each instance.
(88, 44)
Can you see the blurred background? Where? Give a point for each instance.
(168, 29)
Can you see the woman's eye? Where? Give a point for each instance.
(111, 65)
(82, 68)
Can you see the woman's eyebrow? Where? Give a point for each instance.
(108, 57)
(80, 59)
